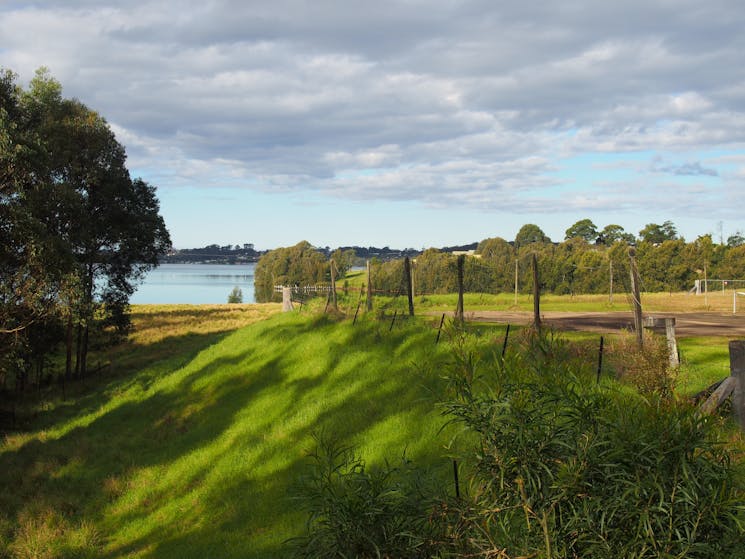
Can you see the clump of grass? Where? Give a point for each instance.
(47, 534)
(647, 368)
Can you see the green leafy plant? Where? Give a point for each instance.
(563, 468)
(236, 296)
(357, 511)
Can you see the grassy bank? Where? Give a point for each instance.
(189, 444)
(194, 453)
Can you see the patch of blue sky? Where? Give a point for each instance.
(362, 173)
(582, 174)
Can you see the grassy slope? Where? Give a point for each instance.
(194, 455)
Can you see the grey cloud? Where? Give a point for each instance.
(690, 169)
(472, 102)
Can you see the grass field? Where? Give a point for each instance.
(194, 453)
(679, 301)
(188, 445)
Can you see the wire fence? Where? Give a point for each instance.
(434, 279)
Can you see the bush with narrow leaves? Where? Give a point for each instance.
(564, 468)
(362, 512)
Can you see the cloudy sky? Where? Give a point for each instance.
(410, 123)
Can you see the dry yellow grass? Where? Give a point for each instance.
(714, 301)
(162, 331)
(153, 323)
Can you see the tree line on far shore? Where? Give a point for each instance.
(589, 260)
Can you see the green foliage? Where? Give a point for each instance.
(529, 234)
(584, 229)
(736, 240)
(388, 277)
(563, 469)
(613, 233)
(560, 467)
(343, 260)
(435, 272)
(655, 233)
(297, 265)
(648, 368)
(571, 267)
(236, 295)
(733, 263)
(78, 232)
(357, 511)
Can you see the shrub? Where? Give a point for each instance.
(563, 468)
(356, 511)
(560, 467)
(236, 296)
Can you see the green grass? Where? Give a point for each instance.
(195, 454)
(704, 361)
(189, 445)
(652, 302)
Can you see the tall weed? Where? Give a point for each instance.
(356, 511)
(558, 467)
(563, 468)
(647, 368)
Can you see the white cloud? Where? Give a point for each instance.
(474, 103)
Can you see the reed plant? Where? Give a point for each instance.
(559, 466)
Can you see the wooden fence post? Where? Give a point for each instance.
(407, 279)
(536, 295)
(672, 343)
(369, 301)
(333, 285)
(506, 337)
(636, 296)
(286, 299)
(737, 370)
(439, 330)
(459, 308)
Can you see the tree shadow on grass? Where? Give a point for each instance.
(83, 396)
(200, 462)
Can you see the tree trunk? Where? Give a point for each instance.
(78, 349)
(68, 360)
(84, 352)
(88, 305)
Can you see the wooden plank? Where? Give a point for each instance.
(720, 395)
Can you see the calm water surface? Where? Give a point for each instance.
(195, 284)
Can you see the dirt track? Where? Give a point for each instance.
(686, 324)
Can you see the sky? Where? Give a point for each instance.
(417, 123)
